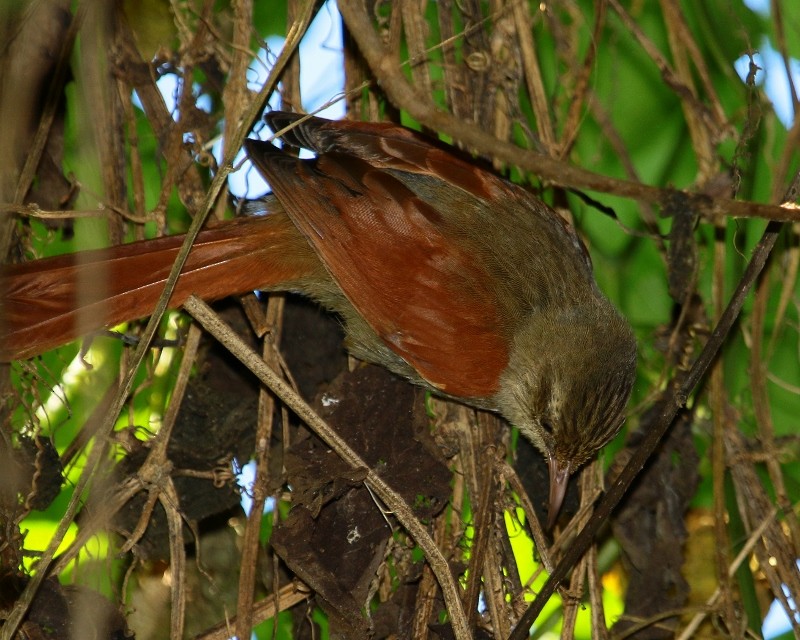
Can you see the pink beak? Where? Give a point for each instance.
(559, 478)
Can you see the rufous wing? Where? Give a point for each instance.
(384, 145)
(426, 298)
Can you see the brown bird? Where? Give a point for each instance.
(443, 272)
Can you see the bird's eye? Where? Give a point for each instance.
(547, 426)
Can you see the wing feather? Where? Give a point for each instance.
(419, 291)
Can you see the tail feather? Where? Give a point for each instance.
(50, 302)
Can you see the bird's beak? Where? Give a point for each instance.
(559, 478)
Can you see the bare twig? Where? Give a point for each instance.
(201, 312)
(21, 606)
(387, 70)
(673, 400)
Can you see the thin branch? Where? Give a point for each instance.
(287, 597)
(387, 69)
(201, 312)
(26, 598)
(673, 400)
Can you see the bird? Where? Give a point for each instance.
(442, 271)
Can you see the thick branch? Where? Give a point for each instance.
(388, 72)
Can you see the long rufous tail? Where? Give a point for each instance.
(49, 302)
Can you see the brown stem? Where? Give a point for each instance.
(673, 400)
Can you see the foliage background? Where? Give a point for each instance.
(622, 109)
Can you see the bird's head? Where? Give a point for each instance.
(567, 384)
